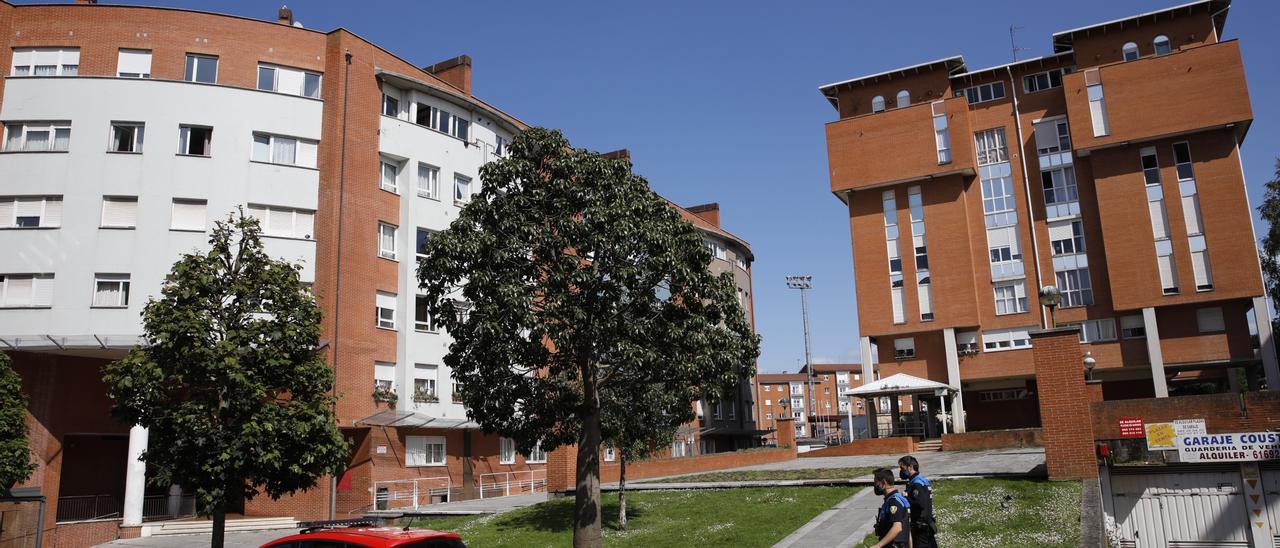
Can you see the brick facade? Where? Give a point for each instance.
(875, 446)
(1068, 439)
(1222, 413)
(993, 439)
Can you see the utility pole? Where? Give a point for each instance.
(804, 284)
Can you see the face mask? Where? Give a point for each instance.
(879, 490)
(903, 474)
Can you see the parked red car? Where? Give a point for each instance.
(364, 535)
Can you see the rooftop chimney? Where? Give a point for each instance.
(285, 16)
(620, 154)
(86, 1)
(455, 72)
(709, 212)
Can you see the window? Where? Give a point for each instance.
(506, 451)
(768, 387)
(1005, 253)
(386, 310)
(797, 389)
(716, 409)
(1209, 320)
(536, 455)
(904, 348)
(967, 342)
(991, 146)
(424, 383)
(387, 241)
(941, 138)
(1200, 264)
(201, 68)
(1130, 50)
(1162, 45)
(424, 450)
(1076, 287)
(1182, 159)
(276, 149)
(26, 290)
(420, 247)
(903, 99)
(1092, 331)
(284, 222)
(37, 136)
(797, 402)
(30, 211)
(717, 250)
(126, 137)
(134, 63)
(423, 114)
(1052, 136)
(877, 103)
(768, 415)
(119, 211)
(422, 321)
(733, 409)
(983, 93)
(768, 402)
(1066, 237)
(390, 102)
(110, 290)
(188, 214)
(1003, 395)
(428, 181)
(288, 80)
(195, 140)
(1159, 221)
(1032, 83)
(1097, 104)
(461, 189)
(1011, 297)
(384, 376)
(389, 171)
(1133, 327)
(53, 61)
(1005, 339)
(1059, 186)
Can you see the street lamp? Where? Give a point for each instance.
(804, 284)
(1050, 296)
(1089, 362)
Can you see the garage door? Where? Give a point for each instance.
(1179, 507)
(1271, 490)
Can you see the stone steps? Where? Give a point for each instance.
(204, 527)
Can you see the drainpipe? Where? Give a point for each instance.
(1026, 185)
(337, 258)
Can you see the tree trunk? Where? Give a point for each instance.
(219, 524)
(586, 511)
(622, 491)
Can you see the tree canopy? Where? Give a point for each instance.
(229, 380)
(15, 453)
(566, 282)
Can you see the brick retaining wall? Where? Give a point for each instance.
(993, 439)
(874, 446)
(1247, 412)
(654, 468)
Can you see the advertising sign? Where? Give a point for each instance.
(1161, 435)
(1237, 447)
(1131, 427)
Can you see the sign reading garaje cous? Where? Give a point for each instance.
(1236, 447)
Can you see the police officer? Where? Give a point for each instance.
(920, 495)
(892, 519)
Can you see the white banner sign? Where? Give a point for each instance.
(1245, 446)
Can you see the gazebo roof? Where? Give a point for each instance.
(901, 383)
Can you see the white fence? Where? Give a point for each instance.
(505, 484)
(411, 493)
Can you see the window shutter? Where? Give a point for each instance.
(6, 212)
(70, 56)
(415, 450)
(260, 213)
(386, 300)
(23, 57)
(1168, 275)
(188, 215)
(1047, 134)
(1200, 268)
(307, 153)
(899, 315)
(288, 81)
(281, 222)
(1159, 223)
(29, 207)
(924, 292)
(48, 56)
(18, 291)
(119, 212)
(134, 61)
(52, 212)
(1060, 231)
(303, 224)
(1191, 213)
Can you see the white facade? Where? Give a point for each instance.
(81, 247)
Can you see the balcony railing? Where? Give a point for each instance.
(154, 507)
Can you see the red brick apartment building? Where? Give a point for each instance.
(823, 413)
(1109, 169)
(129, 130)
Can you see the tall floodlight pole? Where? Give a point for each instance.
(804, 284)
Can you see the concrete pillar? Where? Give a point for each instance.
(1154, 355)
(1266, 342)
(787, 433)
(1065, 405)
(953, 379)
(868, 361)
(135, 480)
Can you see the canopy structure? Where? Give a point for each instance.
(405, 419)
(901, 384)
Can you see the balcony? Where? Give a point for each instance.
(1182, 92)
(897, 146)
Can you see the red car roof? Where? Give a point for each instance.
(374, 537)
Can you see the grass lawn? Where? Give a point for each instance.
(973, 512)
(712, 517)
(772, 475)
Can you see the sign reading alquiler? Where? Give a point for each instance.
(1237, 447)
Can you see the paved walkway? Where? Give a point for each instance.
(252, 539)
(846, 524)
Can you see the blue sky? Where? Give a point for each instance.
(718, 101)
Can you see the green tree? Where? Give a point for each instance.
(640, 420)
(578, 282)
(1270, 252)
(229, 379)
(15, 455)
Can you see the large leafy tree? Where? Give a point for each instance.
(564, 283)
(229, 379)
(15, 456)
(1270, 252)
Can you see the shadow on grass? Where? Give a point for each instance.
(556, 516)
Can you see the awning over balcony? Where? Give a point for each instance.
(406, 419)
(898, 385)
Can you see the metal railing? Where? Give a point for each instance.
(411, 493)
(86, 507)
(505, 484)
(157, 507)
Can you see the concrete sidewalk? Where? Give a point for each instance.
(845, 524)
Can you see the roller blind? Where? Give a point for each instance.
(188, 215)
(134, 61)
(120, 212)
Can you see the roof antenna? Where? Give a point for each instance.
(1013, 46)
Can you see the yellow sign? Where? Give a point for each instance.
(1161, 435)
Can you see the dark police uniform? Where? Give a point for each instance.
(923, 527)
(894, 510)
